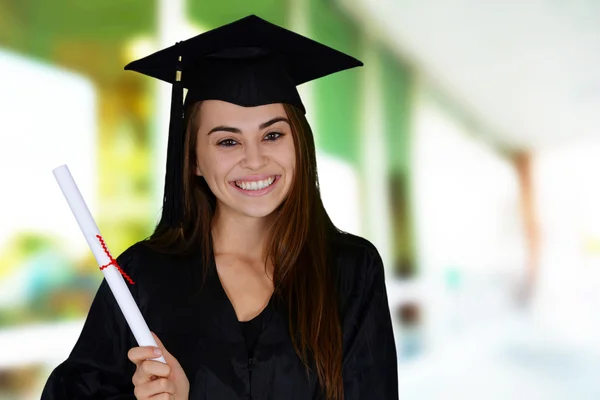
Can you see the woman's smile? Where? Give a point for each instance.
(256, 185)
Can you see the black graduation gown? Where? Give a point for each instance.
(200, 328)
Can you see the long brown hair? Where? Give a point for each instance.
(297, 246)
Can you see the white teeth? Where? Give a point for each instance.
(255, 185)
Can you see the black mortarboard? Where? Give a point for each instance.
(249, 62)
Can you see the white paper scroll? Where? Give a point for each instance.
(113, 276)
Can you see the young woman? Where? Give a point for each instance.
(250, 290)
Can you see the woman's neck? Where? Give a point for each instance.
(239, 235)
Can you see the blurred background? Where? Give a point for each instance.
(466, 149)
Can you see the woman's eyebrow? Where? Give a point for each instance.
(262, 126)
(224, 128)
(273, 121)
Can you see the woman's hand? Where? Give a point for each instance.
(153, 379)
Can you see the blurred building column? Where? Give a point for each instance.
(374, 161)
(523, 164)
(397, 85)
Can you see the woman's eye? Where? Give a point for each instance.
(227, 143)
(273, 136)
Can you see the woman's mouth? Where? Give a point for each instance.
(256, 188)
(255, 185)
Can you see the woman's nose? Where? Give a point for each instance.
(254, 157)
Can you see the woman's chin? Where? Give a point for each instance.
(254, 207)
(258, 212)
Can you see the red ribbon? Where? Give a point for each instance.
(112, 261)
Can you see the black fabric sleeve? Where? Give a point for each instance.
(98, 367)
(370, 366)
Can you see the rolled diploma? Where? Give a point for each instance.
(115, 280)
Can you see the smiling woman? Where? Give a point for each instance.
(246, 281)
(246, 155)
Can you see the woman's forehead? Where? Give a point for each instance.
(217, 112)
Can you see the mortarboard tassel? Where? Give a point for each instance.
(172, 213)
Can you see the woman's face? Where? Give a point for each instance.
(246, 155)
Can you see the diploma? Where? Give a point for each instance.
(107, 264)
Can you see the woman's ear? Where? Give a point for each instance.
(198, 172)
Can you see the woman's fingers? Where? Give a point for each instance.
(157, 389)
(139, 354)
(155, 380)
(147, 370)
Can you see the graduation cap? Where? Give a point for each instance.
(249, 62)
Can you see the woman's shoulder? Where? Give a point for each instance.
(137, 252)
(355, 257)
(347, 244)
(359, 271)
